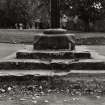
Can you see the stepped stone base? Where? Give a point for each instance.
(53, 50)
(25, 54)
(57, 65)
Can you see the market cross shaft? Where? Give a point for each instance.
(55, 13)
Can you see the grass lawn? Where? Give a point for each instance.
(16, 36)
(27, 36)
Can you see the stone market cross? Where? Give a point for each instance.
(53, 51)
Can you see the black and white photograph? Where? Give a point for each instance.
(52, 52)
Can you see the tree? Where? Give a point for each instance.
(23, 11)
(39, 10)
(87, 10)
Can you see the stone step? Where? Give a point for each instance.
(31, 72)
(57, 65)
(38, 73)
(28, 54)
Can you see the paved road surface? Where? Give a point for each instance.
(53, 100)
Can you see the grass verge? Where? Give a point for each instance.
(27, 36)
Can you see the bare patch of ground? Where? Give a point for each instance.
(66, 90)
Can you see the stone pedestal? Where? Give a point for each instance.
(54, 39)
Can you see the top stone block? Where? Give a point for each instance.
(55, 31)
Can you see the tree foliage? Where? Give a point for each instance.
(25, 11)
(87, 10)
(22, 11)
